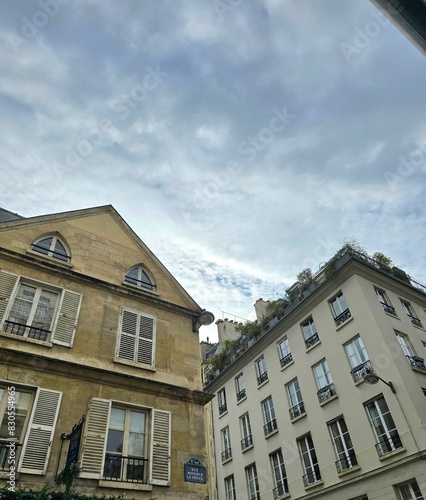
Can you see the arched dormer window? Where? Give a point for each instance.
(52, 246)
(139, 276)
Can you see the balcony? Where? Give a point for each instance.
(360, 371)
(297, 410)
(241, 395)
(415, 321)
(314, 339)
(9, 450)
(223, 409)
(286, 360)
(387, 308)
(21, 328)
(326, 393)
(246, 442)
(417, 362)
(388, 445)
(263, 377)
(280, 490)
(127, 469)
(226, 455)
(312, 477)
(270, 427)
(345, 315)
(346, 463)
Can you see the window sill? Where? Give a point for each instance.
(226, 461)
(271, 434)
(313, 485)
(125, 486)
(263, 383)
(26, 339)
(344, 323)
(419, 327)
(223, 414)
(392, 454)
(52, 260)
(394, 316)
(313, 346)
(248, 448)
(335, 396)
(298, 418)
(241, 400)
(348, 471)
(133, 363)
(287, 365)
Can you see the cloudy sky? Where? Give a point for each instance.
(242, 140)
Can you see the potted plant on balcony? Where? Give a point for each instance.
(383, 262)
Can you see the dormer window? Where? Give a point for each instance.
(138, 276)
(52, 246)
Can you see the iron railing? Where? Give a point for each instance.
(126, 469)
(297, 410)
(9, 455)
(387, 308)
(388, 445)
(326, 393)
(346, 314)
(263, 377)
(360, 371)
(415, 321)
(312, 340)
(226, 454)
(246, 442)
(346, 462)
(222, 409)
(20, 329)
(271, 426)
(280, 490)
(417, 362)
(286, 360)
(241, 395)
(312, 477)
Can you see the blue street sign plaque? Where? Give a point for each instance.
(194, 471)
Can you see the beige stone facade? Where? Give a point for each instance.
(94, 326)
(294, 415)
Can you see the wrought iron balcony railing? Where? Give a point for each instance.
(286, 360)
(326, 393)
(360, 371)
(312, 340)
(127, 469)
(9, 450)
(346, 314)
(271, 426)
(263, 377)
(21, 328)
(241, 395)
(222, 409)
(246, 442)
(226, 454)
(387, 308)
(346, 462)
(417, 362)
(280, 490)
(388, 445)
(312, 476)
(415, 321)
(297, 410)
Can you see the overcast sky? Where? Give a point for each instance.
(241, 139)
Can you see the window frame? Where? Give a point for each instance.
(269, 417)
(284, 352)
(252, 482)
(295, 399)
(246, 434)
(342, 439)
(311, 465)
(390, 437)
(230, 493)
(240, 387)
(310, 332)
(412, 492)
(279, 474)
(411, 313)
(143, 281)
(221, 398)
(340, 314)
(384, 301)
(51, 252)
(225, 440)
(261, 371)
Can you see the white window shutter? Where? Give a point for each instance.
(38, 441)
(7, 284)
(127, 338)
(94, 441)
(146, 340)
(159, 470)
(66, 323)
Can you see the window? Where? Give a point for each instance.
(252, 483)
(340, 309)
(240, 387)
(384, 428)
(38, 311)
(138, 276)
(310, 333)
(126, 447)
(294, 393)
(245, 427)
(324, 382)
(136, 338)
(384, 301)
(415, 361)
(342, 443)
(284, 352)
(230, 488)
(226, 444)
(409, 311)
(358, 358)
(136, 440)
(279, 474)
(262, 374)
(410, 491)
(52, 246)
(36, 411)
(222, 401)
(309, 460)
(269, 416)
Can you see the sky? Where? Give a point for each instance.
(242, 140)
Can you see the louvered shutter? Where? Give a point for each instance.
(7, 284)
(66, 323)
(127, 340)
(159, 472)
(146, 340)
(94, 441)
(38, 441)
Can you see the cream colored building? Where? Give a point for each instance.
(93, 327)
(300, 412)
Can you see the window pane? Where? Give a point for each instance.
(137, 422)
(22, 305)
(117, 418)
(115, 441)
(136, 445)
(43, 246)
(45, 309)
